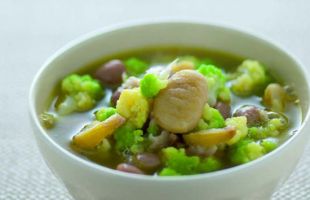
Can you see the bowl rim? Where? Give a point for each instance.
(139, 23)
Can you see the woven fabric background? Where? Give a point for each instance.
(30, 31)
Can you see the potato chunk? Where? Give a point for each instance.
(92, 136)
(210, 137)
(179, 106)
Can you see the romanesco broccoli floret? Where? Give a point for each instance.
(240, 123)
(210, 164)
(273, 127)
(104, 113)
(133, 106)
(150, 85)
(216, 80)
(251, 77)
(168, 172)
(269, 144)
(178, 163)
(128, 139)
(135, 66)
(211, 118)
(245, 151)
(81, 93)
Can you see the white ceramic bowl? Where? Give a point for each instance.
(88, 181)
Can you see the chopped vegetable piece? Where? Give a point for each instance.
(151, 85)
(104, 113)
(92, 136)
(135, 66)
(210, 164)
(210, 137)
(81, 93)
(275, 97)
(240, 123)
(212, 117)
(272, 128)
(133, 106)
(269, 144)
(251, 78)
(169, 172)
(128, 139)
(178, 161)
(216, 80)
(245, 151)
(48, 120)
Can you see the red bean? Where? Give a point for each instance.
(124, 167)
(115, 96)
(252, 113)
(111, 72)
(147, 160)
(224, 109)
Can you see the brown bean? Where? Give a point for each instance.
(147, 160)
(115, 96)
(224, 109)
(111, 72)
(124, 167)
(252, 113)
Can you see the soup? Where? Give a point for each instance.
(172, 111)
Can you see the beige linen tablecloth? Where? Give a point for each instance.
(30, 31)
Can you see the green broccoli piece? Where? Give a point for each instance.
(168, 172)
(135, 66)
(269, 144)
(202, 125)
(150, 85)
(178, 162)
(48, 120)
(251, 78)
(211, 118)
(240, 123)
(273, 127)
(216, 80)
(104, 113)
(81, 93)
(245, 151)
(128, 139)
(210, 164)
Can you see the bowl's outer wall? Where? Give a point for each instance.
(256, 180)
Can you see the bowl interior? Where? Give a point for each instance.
(92, 47)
